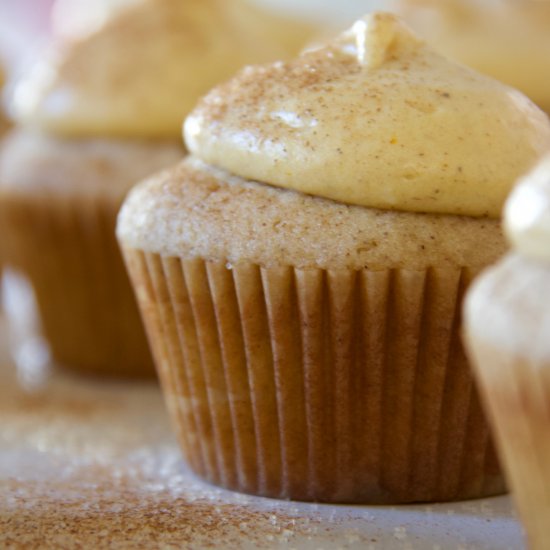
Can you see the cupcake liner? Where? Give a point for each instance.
(322, 385)
(517, 397)
(68, 251)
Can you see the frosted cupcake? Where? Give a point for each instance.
(506, 39)
(95, 116)
(508, 335)
(301, 273)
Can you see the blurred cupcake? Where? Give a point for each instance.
(308, 338)
(141, 72)
(508, 336)
(95, 116)
(506, 39)
(4, 123)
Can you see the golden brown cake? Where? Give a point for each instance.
(506, 39)
(301, 273)
(508, 337)
(96, 115)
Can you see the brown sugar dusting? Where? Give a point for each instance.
(117, 516)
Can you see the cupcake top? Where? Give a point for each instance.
(140, 73)
(527, 214)
(195, 210)
(373, 118)
(33, 166)
(507, 306)
(507, 39)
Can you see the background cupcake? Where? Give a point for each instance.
(95, 115)
(4, 124)
(506, 39)
(507, 332)
(308, 338)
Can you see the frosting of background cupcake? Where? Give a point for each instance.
(508, 336)
(96, 114)
(142, 72)
(506, 39)
(301, 273)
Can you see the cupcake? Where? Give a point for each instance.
(506, 39)
(507, 330)
(95, 116)
(300, 274)
(4, 123)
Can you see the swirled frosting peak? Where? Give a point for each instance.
(527, 213)
(375, 118)
(374, 40)
(142, 71)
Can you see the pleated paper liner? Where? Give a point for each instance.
(67, 249)
(333, 386)
(517, 396)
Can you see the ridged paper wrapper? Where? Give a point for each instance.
(318, 385)
(67, 249)
(517, 397)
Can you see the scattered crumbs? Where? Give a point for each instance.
(400, 533)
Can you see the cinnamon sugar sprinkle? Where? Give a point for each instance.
(117, 515)
(86, 464)
(74, 472)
